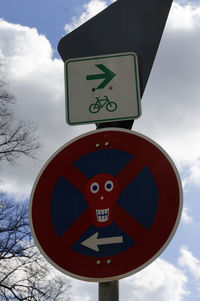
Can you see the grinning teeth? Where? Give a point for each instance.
(102, 215)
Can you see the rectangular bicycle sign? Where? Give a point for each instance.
(102, 88)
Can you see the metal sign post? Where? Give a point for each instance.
(109, 291)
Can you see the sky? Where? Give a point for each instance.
(29, 35)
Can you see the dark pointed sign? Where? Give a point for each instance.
(125, 26)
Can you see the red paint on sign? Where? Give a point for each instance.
(149, 243)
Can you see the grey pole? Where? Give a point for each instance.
(109, 291)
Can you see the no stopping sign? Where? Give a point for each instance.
(105, 205)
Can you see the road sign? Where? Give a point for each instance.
(125, 26)
(105, 205)
(102, 88)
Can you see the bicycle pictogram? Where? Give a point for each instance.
(111, 106)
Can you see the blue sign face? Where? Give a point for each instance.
(104, 237)
(106, 205)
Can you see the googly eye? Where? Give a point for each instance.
(109, 186)
(94, 188)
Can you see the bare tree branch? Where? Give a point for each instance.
(24, 274)
(16, 138)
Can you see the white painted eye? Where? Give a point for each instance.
(109, 186)
(94, 187)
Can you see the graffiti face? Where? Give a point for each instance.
(101, 194)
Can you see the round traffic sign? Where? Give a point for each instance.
(105, 205)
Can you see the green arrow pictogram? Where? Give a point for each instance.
(107, 76)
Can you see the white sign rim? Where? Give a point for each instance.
(151, 259)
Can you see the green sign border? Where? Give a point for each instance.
(136, 71)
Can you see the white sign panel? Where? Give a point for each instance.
(102, 88)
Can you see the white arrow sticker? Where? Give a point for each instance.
(93, 241)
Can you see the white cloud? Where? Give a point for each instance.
(186, 217)
(90, 9)
(159, 281)
(37, 81)
(189, 262)
(84, 291)
(171, 106)
(194, 173)
(184, 17)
